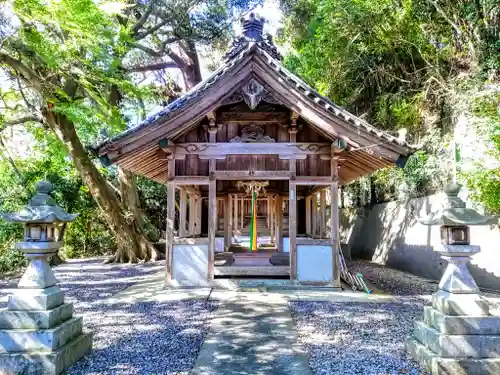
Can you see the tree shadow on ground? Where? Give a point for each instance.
(356, 338)
(145, 337)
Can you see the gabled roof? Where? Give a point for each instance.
(254, 55)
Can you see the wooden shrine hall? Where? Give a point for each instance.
(253, 126)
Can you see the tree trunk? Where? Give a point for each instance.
(191, 71)
(132, 245)
(131, 202)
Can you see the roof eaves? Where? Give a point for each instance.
(327, 104)
(181, 101)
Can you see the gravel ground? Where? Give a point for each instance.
(129, 339)
(406, 286)
(145, 338)
(86, 281)
(356, 338)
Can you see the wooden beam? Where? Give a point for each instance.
(192, 180)
(271, 117)
(252, 175)
(283, 150)
(292, 229)
(313, 180)
(212, 225)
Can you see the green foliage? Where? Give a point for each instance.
(484, 182)
(401, 65)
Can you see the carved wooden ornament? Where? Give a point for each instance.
(252, 133)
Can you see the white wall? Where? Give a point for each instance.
(390, 234)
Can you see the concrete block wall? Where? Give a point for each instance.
(390, 234)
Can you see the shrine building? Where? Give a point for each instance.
(253, 127)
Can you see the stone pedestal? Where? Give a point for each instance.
(458, 335)
(38, 333)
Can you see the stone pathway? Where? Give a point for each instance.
(253, 334)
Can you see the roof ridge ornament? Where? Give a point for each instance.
(253, 32)
(253, 27)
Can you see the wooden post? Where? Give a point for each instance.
(235, 215)
(273, 219)
(182, 212)
(170, 217)
(279, 222)
(192, 214)
(268, 216)
(335, 236)
(227, 222)
(197, 215)
(314, 213)
(322, 214)
(212, 223)
(292, 229)
(308, 215)
(242, 213)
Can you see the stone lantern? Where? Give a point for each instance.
(458, 336)
(38, 333)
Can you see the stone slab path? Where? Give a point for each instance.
(252, 334)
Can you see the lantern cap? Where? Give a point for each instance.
(455, 213)
(40, 209)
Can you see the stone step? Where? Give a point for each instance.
(452, 346)
(52, 363)
(462, 325)
(35, 299)
(450, 366)
(44, 319)
(460, 304)
(47, 340)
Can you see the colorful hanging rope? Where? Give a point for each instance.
(253, 223)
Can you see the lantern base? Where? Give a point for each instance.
(437, 365)
(39, 335)
(36, 299)
(52, 363)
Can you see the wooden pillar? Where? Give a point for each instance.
(273, 219)
(192, 214)
(322, 214)
(227, 222)
(292, 229)
(235, 215)
(198, 205)
(335, 236)
(170, 217)
(308, 215)
(279, 222)
(182, 212)
(212, 223)
(314, 215)
(268, 215)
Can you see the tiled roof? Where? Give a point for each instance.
(253, 40)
